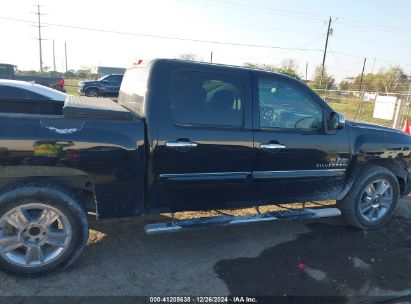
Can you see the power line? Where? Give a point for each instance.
(365, 24)
(310, 15)
(164, 37)
(247, 8)
(265, 8)
(376, 58)
(195, 40)
(286, 52)
(380, 43)
(265, 28)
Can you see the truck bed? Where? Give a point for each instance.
(93, 107)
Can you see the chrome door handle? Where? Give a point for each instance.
(272, 146)
(181, 144)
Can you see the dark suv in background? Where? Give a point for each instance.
(107, 86)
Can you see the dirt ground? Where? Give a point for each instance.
(322, 257)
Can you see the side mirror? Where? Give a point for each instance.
(336, 122)
(104, 81)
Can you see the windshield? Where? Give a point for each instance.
(102, 78)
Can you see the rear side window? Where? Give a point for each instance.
(13, 92)
(202, 98)
(133, 90)
(4, 71)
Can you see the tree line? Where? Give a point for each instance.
(84, 72)
(391, 80)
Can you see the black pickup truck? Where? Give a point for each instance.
(9, 71)
(185, 136)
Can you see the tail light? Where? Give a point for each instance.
(61, 83)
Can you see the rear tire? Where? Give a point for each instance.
(43, 228)
(372, 198)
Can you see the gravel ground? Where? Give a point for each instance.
(322, 257)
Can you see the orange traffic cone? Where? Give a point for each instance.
(406, 128)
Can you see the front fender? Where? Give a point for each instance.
(381, 146)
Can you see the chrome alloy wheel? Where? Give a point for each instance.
(376, 200)
(33, 235)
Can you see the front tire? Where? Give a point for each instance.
(43, 228)
(372, 198)
(92, 93)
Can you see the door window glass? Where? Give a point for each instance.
(200, 98)
(114, 79)
(284, 105)
(4, 71)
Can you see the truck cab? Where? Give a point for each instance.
(106, 86)
(187, 136)
(251, 136)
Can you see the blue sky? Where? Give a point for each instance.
(373, 29)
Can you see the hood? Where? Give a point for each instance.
(371, 126)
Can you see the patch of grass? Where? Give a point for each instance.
(348, 105)
(71, 85)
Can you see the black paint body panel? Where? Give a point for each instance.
(134, 172)
(110, 152)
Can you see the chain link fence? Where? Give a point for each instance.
(359, 105)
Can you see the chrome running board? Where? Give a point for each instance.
(236, 220)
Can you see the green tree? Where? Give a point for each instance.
(86, 72)
(326, 81)
(70, 74)
(272, 68)
(289, 64)
(188, 57)
(393, 80)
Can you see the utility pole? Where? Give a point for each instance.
(211, 57)
(362, 73)
(361, 93)
(39, 39)
(407, 104)
(54, 58)
(65, 53)
(325, 49)
(306, 72)
(372, 70)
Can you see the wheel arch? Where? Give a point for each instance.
(93, 88)
(69, 178)
(397, 166)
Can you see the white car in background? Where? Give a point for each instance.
(28, 90)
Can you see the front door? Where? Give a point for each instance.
(295, 158)
(112, 85)
(204, 152)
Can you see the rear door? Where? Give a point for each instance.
(204, 152)
(296, 158)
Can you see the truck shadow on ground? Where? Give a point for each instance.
(330, 260)
(257, 259)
